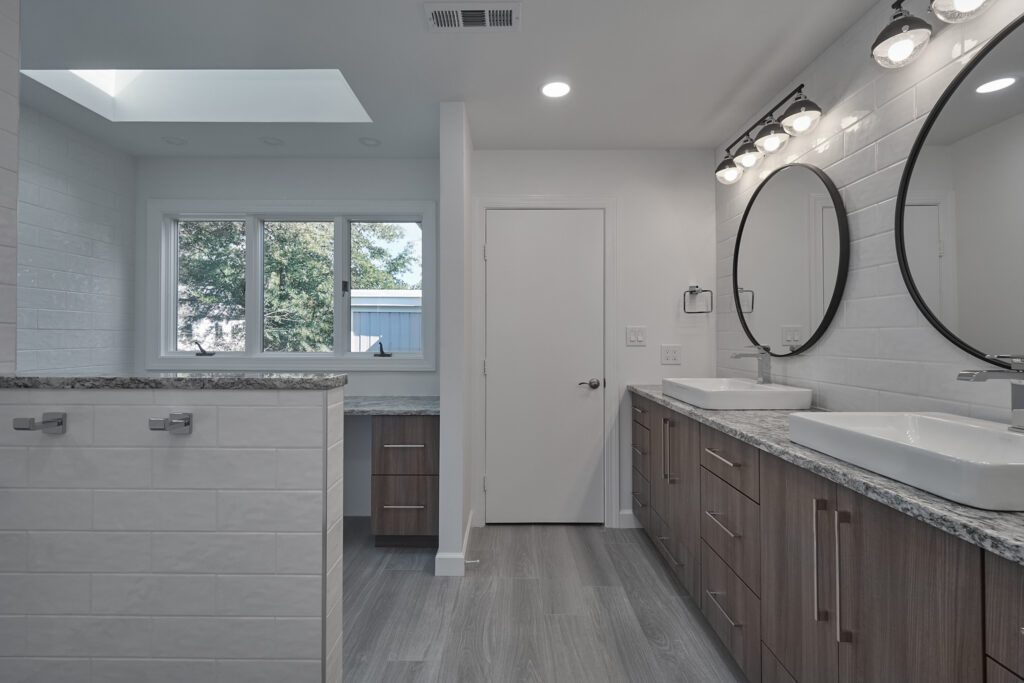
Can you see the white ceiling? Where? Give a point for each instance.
(645, 73)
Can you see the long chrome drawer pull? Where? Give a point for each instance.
(661, 542)
(636, 500)
(639, 411)
(841, 635)
(714, 599)
(405, 507)
(713, 516)
(404, 445)
(817, 505)
(636, 451)
(714, 454)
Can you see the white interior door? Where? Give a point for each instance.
(545, 336)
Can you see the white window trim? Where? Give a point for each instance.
(161, 257)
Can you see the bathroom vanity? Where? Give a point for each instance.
(175, 523)
(812, 570)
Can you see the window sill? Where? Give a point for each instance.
(227, 362)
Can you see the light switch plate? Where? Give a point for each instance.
(671, 354)
(636, 335)
(792, 334)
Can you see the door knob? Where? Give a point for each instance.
(593, 383)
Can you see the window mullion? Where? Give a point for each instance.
(342, 298)
(253, 286)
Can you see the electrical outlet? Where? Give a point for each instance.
(636, 335)
(671, 354)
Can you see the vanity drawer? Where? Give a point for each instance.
(641, 499)
(995, 673)
(731, 524)
(404, 506)
(734, 461)
(733, 611)
(771, 670)
(1004, 612)
(406, 444)
(641, 410)
(640, 447)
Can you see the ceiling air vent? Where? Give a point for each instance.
(472, 16)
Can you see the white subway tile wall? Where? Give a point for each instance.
(76, 226)
(10, 65)
(130, 555)
(880, 353)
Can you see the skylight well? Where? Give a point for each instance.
(209, 95)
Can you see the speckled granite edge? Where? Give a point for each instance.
(184, 381)
(392, 405)
(1001, 533)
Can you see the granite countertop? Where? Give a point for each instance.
(392, 405)
(1001, 533)
(295, 381)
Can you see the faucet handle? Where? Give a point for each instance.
(761, 347)
(1016, 360)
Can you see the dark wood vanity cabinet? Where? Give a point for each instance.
(406, 462)
(1004, 613)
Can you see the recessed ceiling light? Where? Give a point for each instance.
(996, 85)
(173, 141)
(272, 141)
(556, 89)
(369, 142)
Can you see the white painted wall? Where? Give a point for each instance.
(293, 179)
(10, 62)
(456, 326)
(664, 217)
(76, 233)
(880, 353)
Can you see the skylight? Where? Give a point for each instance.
(209, 95)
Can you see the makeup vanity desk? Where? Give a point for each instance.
(405, 448)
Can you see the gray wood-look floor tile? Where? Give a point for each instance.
(546, 603)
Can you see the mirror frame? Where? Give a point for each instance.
(844, 257)
(908, 172)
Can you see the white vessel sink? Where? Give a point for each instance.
(974, 462)
(716, 393)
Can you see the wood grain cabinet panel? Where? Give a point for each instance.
(641, 499)
(731, 460)
(909, 606)
(405, 506)
(683, 451)
(772, 670)
(733, 611)
(996, 673)
(1004, 612)
(640, 448)
(641, 410)
(406, 444)
(731, 524)
(798, 570)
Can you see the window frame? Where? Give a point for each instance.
(160, 316)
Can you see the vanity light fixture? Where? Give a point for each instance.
(556, 89)
(748, 155)
(799, 117)
(995, 86)
(958, 11)
(902, 40)
(728, 172)
(772, 138)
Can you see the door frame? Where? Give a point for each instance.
(613, 389)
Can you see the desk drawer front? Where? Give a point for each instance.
(406, 445)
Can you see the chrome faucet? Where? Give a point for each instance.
(764, 362)
(1016, 377)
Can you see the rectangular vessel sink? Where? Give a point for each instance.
(715, 393)
(974, 462)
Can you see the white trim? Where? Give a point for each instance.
(160, 260)
(627, 520)
(454, 564)
(613, 388)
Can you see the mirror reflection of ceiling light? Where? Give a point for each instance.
(556, 89)
(996, 85)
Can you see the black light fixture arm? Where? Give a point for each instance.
(771, 112)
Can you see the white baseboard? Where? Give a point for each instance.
(627, 520)
(454, 564)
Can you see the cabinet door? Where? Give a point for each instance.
(659, 460)
(909, 601)
(683, 451)
(798, 570)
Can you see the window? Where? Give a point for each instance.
(282, 288)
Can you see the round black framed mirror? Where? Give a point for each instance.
(959, 232)
(791, 259)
